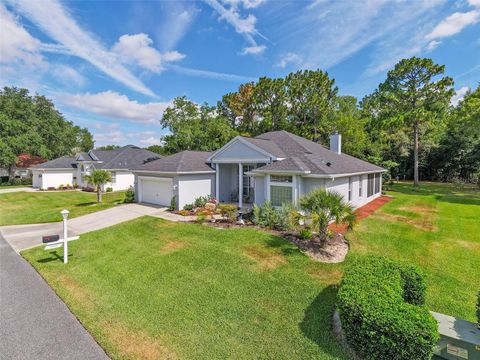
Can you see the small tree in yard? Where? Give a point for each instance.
(324, 207)
(98, 178)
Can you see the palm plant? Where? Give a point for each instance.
(98, 178)
(324, 207)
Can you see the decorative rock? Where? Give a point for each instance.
(241, 222)
(210, 206)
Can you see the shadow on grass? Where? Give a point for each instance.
(286, 247)
(54, 257)
(443, 192)
(317, 322)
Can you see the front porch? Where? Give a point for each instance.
(233, 188)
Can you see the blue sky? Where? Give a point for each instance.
(115, 66)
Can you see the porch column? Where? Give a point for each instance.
(240, 185)
(217, 185)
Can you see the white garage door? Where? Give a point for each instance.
(156, 191)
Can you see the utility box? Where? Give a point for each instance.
(459, 339)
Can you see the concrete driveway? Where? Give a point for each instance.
(34, 322)
(22, 237)
(16, 189)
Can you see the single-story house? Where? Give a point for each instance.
(276, 166)
(21, 169)
(67, 170)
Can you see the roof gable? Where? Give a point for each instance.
(241, 149)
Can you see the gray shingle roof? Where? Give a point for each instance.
(122, 158)
(64, 162)
(182, 162)
(303, 155)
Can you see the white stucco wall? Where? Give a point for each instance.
(191, 187)
(260, 189)
(52, 178)
(341, 185)
(123, 180)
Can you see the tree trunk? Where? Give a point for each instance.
(99, 194)
(415, 155)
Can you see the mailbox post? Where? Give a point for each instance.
(65, 213)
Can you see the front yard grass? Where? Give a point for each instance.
(41, 207)
(437, 228)
(150, 288)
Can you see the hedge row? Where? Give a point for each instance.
(381, 307)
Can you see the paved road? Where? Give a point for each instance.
(34, 322)
(22, 237)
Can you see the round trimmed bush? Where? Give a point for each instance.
(381, 307)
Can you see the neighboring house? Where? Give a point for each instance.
(21, 169)
(277, 166)
(72, 170)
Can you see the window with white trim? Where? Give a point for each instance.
(281, 178)
(281, 189)
(350, 188)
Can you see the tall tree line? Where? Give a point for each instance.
(406, 125)
(33, 125)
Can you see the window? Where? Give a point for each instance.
(280, 195)
(280, 178)
(360, 185)
(350, 189)
(377, 183)
(370, 185)
(113, 174)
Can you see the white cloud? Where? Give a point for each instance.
(253, 50)
(16, 44)
(287, 59)
(55, 21)
(453, 24)
(151, 141)
(137, 49)
(106, 126)
(242, 25)
(115, 105)
(247, 4)
(432, 45)
(332, 31)
(112, 137)
(210, 74)
(67, 75)
(475, 3)
(173, 27)
(459, 95)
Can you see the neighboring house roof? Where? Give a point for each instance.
(27, 160)
(118, 159)
(305, 156)
(182, 162)
(64, 162)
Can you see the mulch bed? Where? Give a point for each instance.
(362, 212)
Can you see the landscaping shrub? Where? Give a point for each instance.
(201, 218)
(130, 195)
(201, 201)
(15, 181)
(188, 207)
(109, 189)
(228, 211)
(305, 234)
(279, 219)
(381, 307)
(26, 181)
(173, 203)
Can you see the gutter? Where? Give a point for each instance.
(173, 172)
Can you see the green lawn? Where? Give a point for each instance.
(42, 207)
(436, 228)
(150, 288)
